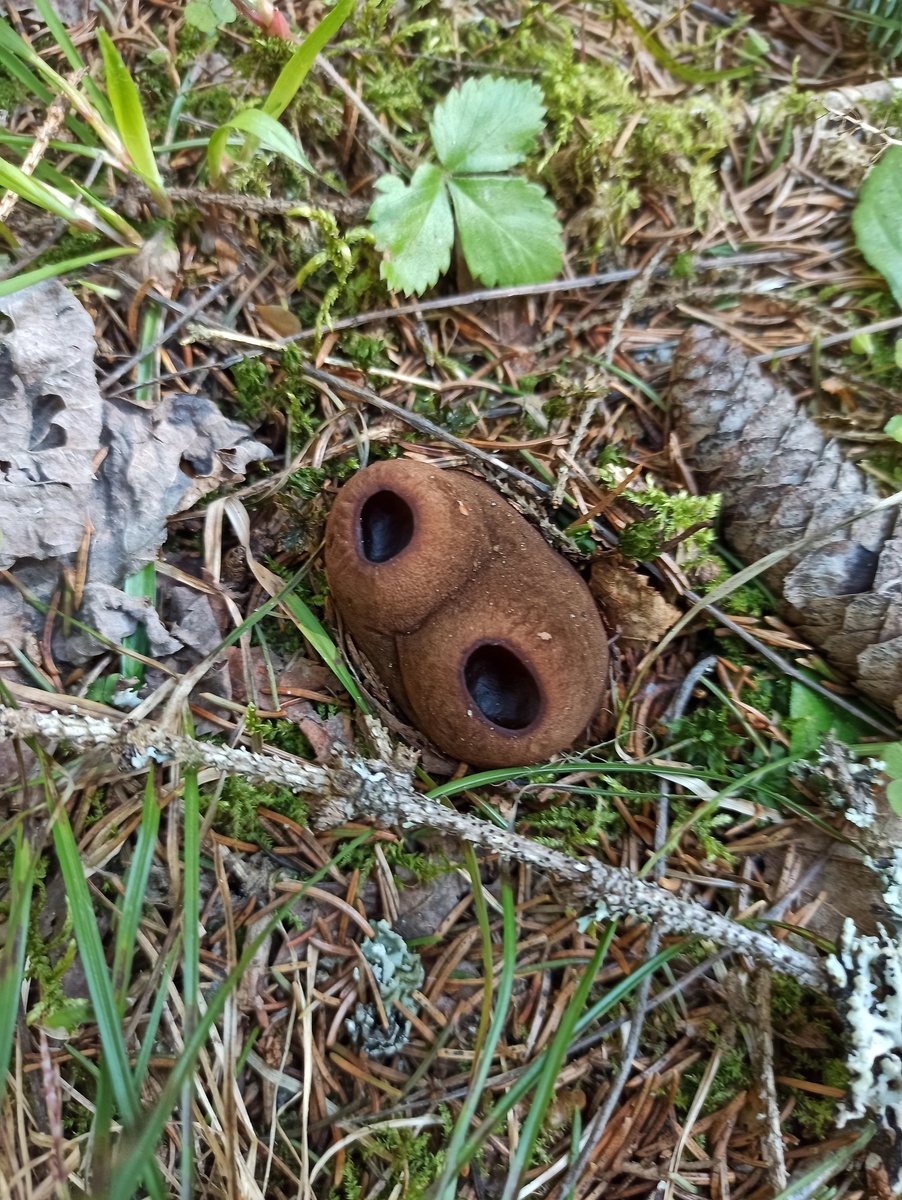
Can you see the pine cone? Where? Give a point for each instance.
(781, 480)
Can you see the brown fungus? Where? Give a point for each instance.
(489, 640)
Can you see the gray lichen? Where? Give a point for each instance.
(398, 972)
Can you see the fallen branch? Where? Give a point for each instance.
(381, 791)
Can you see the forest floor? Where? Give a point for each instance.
(429, 1014)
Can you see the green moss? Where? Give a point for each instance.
(365, 351)
(672, 515)
(70, 245)
(251, 379)
(734, 1075)
(421, 865)
(407, 1161)
(48, 961)
(815, 1116)
(190, 43)
(682, 265)
(213, 104)
(259, 394)
(710, 740)
(12, 93)
(574, 825)
(785, 998)
(237, 810)
(704, 830)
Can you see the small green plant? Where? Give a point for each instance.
(876, 221)
(205, 15)
(506, 226)
(260, 126)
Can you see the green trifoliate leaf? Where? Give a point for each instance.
(487, 125)
(893, 427)
(877, 220)
(508, 231)
(205, 15)
(413, 225)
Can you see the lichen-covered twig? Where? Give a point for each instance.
(381, 790)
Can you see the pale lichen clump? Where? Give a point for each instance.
(398, 973)
(867, 976)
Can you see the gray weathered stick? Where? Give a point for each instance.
(358, 788)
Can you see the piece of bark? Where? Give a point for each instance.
(782, 479)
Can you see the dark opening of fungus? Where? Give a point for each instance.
(503, 688)
(386, 526)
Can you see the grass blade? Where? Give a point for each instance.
(8, 286)
(100, 984)
(140, 1153)
(313, 631)
(215, 152)
(109, 215)
(270, 134)
(482, 917)
(135, 889)
(129, 116)
(524, 1085)
(444, 1189)
(140, 583)
(555, 1056)
(295, 70)
(153, 1021)
(14, 55)
(12, 955)
(61, 36)
(41, 195)
(190, 956)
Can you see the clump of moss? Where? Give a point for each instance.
(575, 825)
(734, 1075)
(258, 394)
(410, 1161)
(237, 812)
(70, 245)
(672, 515)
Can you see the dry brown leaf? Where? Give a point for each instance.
(279, 321)
(73, 461)
(782, 480)
(631, 606)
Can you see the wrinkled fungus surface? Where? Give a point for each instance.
(489, 641)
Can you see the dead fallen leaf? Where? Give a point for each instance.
(632, 608)
(280, 322)
(55, 483)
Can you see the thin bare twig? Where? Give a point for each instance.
(771, 1138)
(381, 790)
(169, 332)
(634, 294)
